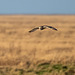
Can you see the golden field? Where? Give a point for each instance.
(18, 47)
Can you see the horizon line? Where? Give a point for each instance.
(36, 14)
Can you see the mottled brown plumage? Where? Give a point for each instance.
(42, 28)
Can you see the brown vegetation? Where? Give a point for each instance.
(18, 47)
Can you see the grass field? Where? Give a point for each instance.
(21, 49)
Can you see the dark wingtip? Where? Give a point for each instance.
(29, 31)
(56, 29)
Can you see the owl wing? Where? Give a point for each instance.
(33, 29)
(52, 27)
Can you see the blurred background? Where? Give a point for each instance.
(19, 48)
(37, 6)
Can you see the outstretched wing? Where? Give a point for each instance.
(33, 29)
(52, 27)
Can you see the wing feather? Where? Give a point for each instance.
(52, 27)
(33, 29)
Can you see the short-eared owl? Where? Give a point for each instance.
(42, 28)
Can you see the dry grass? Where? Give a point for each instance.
(20, 48)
